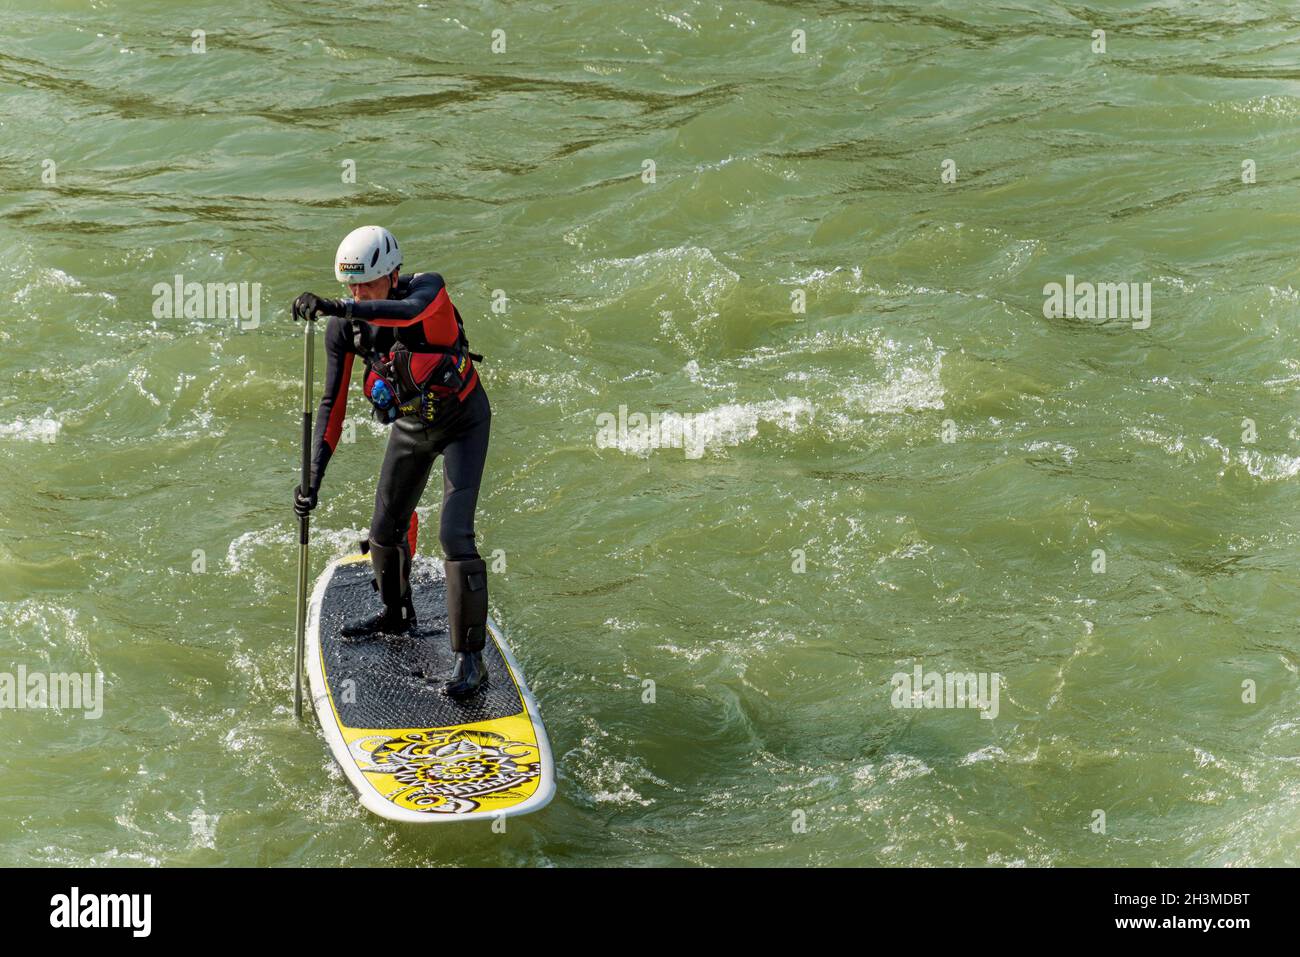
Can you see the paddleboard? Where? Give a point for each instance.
(412, 753)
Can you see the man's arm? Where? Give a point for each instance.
(426, 292)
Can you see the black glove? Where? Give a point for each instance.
(303, 504)
(309, 306)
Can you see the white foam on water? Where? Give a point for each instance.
(998, 860)
(617, 624)
(1066, 452)
(906, 552)
(1258, 464)
(604, 777)
(989, 753)
(334, 542)
(1266, 105)
(851, 279)
(136, 377)
(235, 739)
(113, 857)
(702, 278)
(203, 828)
(661, 278)
(820, 276)
(676, 21)
(706, 380)
(45, 279)
(910, 387)
(692, 654)
(56, 626)
(910, 377)
(1269, 468)
(1287, 296)
(39, 429)
(1174, 445)
(197, 425)
(543, 388)
(241, 549)
(893, 769)
(904, 767)
(727, 161)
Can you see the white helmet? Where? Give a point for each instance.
(366, 254)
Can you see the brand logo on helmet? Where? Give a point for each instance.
(351, 267)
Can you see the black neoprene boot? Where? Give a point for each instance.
(392, 580)
(467, 609)
(468, 675)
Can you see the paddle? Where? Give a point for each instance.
(303, 521)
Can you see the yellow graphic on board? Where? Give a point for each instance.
(482, 768)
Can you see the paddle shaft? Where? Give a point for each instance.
(308, 354)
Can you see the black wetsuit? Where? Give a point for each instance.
(419, 315)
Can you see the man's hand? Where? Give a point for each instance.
(309, 306)
(303, 504)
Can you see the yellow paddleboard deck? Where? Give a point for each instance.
(412, 753)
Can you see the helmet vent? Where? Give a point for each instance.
(375, 258)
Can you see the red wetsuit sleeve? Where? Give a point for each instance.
(334, 401)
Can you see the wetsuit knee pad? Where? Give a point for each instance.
(392, 564)
(467, 603)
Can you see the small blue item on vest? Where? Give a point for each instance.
(384, 402)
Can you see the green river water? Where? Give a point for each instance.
(919, 468)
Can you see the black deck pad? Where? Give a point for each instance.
(399, 679)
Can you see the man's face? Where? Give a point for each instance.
(375, 289)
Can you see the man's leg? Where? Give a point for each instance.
(402, 479)
(467, 593)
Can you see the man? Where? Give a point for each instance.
(420, 377)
